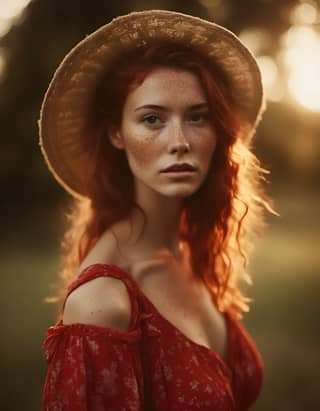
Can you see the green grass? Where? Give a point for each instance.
(284, 316)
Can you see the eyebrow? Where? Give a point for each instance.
(196, 106)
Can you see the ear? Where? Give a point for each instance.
(115, 138)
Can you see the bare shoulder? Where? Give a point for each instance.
(103, 301)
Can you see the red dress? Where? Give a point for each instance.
(153, 366)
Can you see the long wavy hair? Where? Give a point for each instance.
(219, 222)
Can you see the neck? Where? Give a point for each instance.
(160, 230)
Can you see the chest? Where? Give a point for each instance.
(185, 303)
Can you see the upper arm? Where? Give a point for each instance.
(103, 301)
(88, 370)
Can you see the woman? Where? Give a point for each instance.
(147, 123)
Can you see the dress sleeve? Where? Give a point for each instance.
(92, 368)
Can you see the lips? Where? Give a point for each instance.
(179, 167)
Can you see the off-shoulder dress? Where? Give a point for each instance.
(151, 367)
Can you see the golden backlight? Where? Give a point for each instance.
(301, 56)
(9, 10)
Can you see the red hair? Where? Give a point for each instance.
(218, 222)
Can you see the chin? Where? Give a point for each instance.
(179, 192)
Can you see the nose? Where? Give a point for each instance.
(178, 142)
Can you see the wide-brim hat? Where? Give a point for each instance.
(64, 139)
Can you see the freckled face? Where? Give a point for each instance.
(165, 121)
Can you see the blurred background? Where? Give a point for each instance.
(285, 37)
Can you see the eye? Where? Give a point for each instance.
(151, 119)
(198, 117)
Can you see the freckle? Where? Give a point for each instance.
(142, 149)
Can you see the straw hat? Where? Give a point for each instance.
(64, 140)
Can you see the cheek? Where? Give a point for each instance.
(141, 152)
(208, 148)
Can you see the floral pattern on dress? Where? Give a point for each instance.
(151, 367)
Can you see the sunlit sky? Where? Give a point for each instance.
(293, 74)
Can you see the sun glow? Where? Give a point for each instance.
(301, 56)
(304, 13)
(10, 10)
(270, 78)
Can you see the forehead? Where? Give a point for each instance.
(168, 86)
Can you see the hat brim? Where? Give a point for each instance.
(63, 137)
